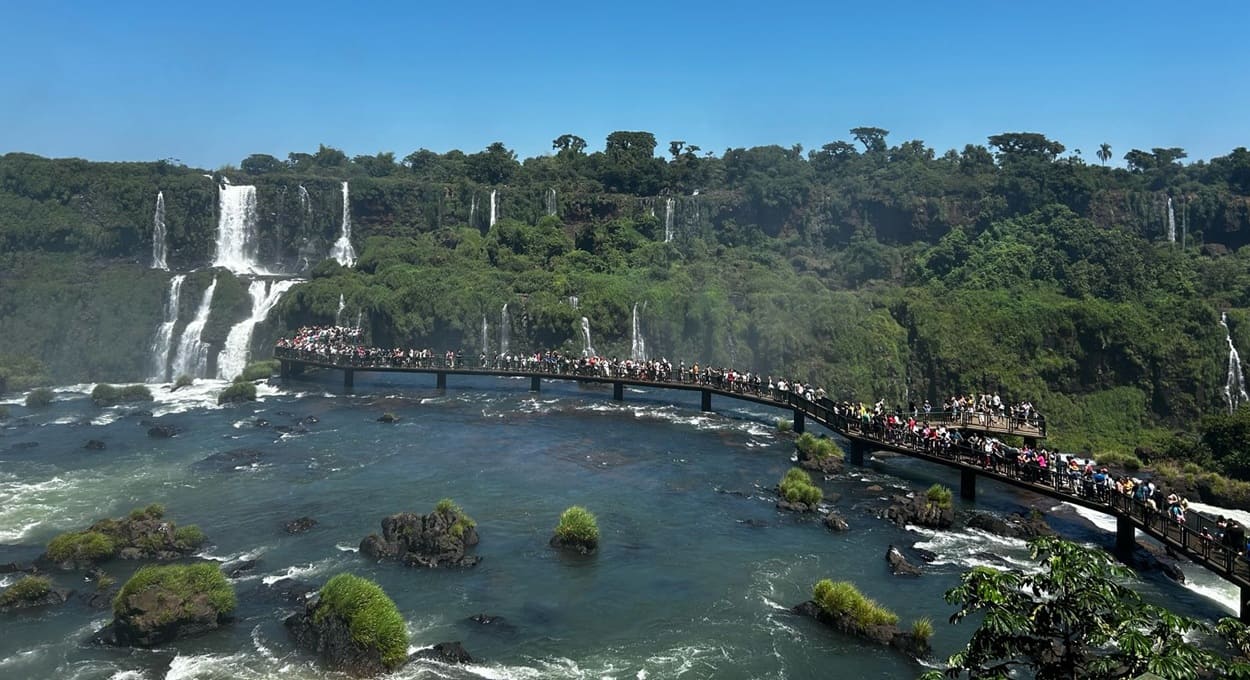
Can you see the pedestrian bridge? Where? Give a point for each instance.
(1131, 516)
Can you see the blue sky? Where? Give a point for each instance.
(209, 83)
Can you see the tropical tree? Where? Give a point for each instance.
(1104, 152)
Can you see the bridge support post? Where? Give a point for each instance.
(285, 370)
(1244, 611)
(349, 379)
(440, 380)
(968, 485)
(618, 391)
(706, 404)
(535, 383)
(856, 454)
(800, 423)
(1125, 536)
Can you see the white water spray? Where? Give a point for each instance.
(338, 315)
(485, 337)
(343, 252)
(1171, 222)
(236, 229)
(472, 209)
(494, 208)
(668, 219)
(163, 343)
(233, 357)
(637, 345)
(505, 329)
(159, 247)
(574, 302)
(588, 350)
(551, 202)
(1234, 382)
(192, 356)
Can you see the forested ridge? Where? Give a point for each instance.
(878, 269)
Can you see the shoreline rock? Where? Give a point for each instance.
(445, 652)
(1014, 525)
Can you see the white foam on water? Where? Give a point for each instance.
(966, 547)
(1242, 517)
(129, 675)
(347, 548)
(202, 394)
(23, 505)
(301, 571)
(1099, 519)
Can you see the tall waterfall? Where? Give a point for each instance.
(1234, 382)
(343, 252)
(236, 229)
(505, 329)
(574, 302)
(158, 234)
(163, 342)
(494, 208)
(192, 355)
(668, 219)
(338, 315)
(637, 345)
(588, 350)
(1171, 222)
(233, 357)
(485, 337)
(551, 202)
(472, 209)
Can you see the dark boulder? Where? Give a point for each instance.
(330, 638)
(238, 568)
(828, 465)
(445, 652)
(899, 565)
(165, 610)
(834, 522)
(797, 506)
(388, 418)
(311, 420)
(300, 525)
(162, 431)
(924, 555)
(918, 510)
(94, 445)
(886, 635)
(1012, 526)
(438, 539)
(53, 596)
(573, 545)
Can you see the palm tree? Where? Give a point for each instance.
(1104, 152)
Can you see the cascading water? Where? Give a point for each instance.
(472, 209)
(668, 220)
(305, 203)
(163, 343)
(637, 345)
(588, 350)
(485, 337)
(551, 202)
(574, 302)
(158, 234)
(1171, 222)
(338, 315)
(236, 229)
(343, 252)
(1234, 382)
(238, 348)
(192, 356)
(505, 329)
(494, 208)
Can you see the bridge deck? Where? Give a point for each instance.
(1182, 538)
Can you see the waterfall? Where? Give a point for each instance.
(668, 220)
(338, 315)
(494, 207)
(637, 345)
(305, 202)
(158, 234)
(233, 357)
(588, 350)
(163, 342)
(574, 301)
(192, 355)
(551, 202)
(342, 252)
(1234, 381)
(236, 229)
(505, 329)
(1171, 222)
(485, 337)
(472, 209)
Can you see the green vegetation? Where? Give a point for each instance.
(922, 628)
(785, 425)
(816, 448)
(258, 370)
(82, 546)
(1127, 461)
(20, 373)
(183, 380)
(27, 589)
(939, 495)
(185, 582)
(578, 525)
(371, 616)
(39, 397)
(461, 522)
(152, 511)
(797, 487)
(108, 395)
(189, 536)
(1078, 618)
(842, 598)
(237, 391)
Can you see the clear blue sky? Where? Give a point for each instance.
(210, 82)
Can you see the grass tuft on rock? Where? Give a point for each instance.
(842, 598)
(816, 448)
(922, 628)
(462, 521)
(81, 546)
(578, 525)
(190, 536)
(27, 589)
(39, 397)
(237, 391)
(186, 582)
(784, 425)
(258, 370)
(940, 496)
(108, 395)
(183, 380)
(152, 511)
(797, 487)
(371, 616)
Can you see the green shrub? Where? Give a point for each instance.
(1127, 461)
(371, 616)
(577, 524)
(108, 395)
(843, 598)
(1191, 468)
(922, 628)
(27, 589)
(784, 425)
(39, 397)
(81, 546)
(189, 536)
(462, 521)
(817, 448)
(939, 495)
(238, 391)
(104, 582)
(258, 370)
(152, 511)
(184, 581)
(183, 380)
(797, 487)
